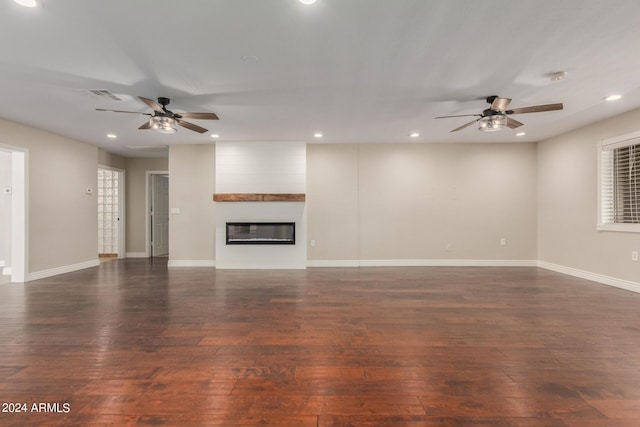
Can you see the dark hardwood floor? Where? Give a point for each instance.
(132, 343)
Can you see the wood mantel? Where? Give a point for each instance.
(259, 197)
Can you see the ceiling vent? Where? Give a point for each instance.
(105, 93)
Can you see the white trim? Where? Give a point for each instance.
(7, 271)
(191, 263)
(619, 227)
(257, 266)
(422, 263)
(20, 216)
(333, 263)
(62, 270)
(594, 277)
(137, 255)
(619, 141)
(19, 211)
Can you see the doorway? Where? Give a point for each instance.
(13, 215)
(158, 213)
(110, 199)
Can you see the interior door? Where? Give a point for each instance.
(160, 215)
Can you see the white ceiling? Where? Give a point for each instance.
(277, 70)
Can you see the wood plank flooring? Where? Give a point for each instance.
(130, 343)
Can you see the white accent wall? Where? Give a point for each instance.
(261, 167)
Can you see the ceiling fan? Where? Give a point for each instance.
(164, 121)
(495, 117)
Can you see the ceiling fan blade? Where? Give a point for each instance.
(536, 109)
(152, 104)
(120, 111)
(461, 115)
(146, 125)
(499, 104)
(464, 126)
(513, 123)
(191, 126)
(198, 116)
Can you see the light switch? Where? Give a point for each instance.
(175, 211)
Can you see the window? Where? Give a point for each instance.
(619, 195)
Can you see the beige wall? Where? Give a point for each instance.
(136, 171)
(567, 203)
(111, 160)
(422, 201)
(332, 201)
(191, 188)
(62, 219)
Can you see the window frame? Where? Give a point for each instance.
(608, 145)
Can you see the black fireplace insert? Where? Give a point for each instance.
(261, 233)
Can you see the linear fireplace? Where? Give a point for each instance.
(261, 233)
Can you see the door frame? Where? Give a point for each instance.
(147, 205)
(122, 210)
(19, 212)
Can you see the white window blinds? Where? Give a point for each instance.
(620, 183)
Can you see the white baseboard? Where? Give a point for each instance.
(333, 263)
(191, 263)
(62, 270)
(7, 271)
(422, 263)
(255, 266)
(594, 277)
(136, 255)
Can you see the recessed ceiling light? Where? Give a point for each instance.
(112, 135)
(215, 135)
(521, 134)
(307, 1)
(27, 3)
(414, 135)
(612, 98)
(317, 135)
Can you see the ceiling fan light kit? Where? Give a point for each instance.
(163, 124)
(492, 123)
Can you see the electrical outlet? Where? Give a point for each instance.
(503, 241)
(448, 247)
(312, 243)
(634, 256)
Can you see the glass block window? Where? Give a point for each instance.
(108, 212)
